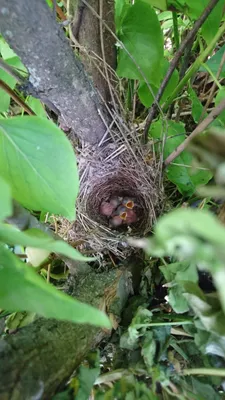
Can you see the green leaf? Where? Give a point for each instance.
(38, 161)
(141, 34)
(121, 7)
(160, 4)
(10, 81)
(146, 96)
(194, 9)
(175, 274)
(39, 239)
(5, 199)
(36, 106)
(207, 308)
(21, 289)
(87, 376)
(177, 300)
(5, 50)
(18, 320)
(149, 349)
(214, 62)
(191, 222)
(197, 107)
(203, 391)
(182, 175)
(219, 97)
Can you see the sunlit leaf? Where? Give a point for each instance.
(39, 162)
(38, 239)
(141, 35)
(145, 94)
(21, 289)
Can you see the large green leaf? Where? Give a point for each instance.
(146, 96)
(141, 34)
(5, 199)
(21, 289)
(40, 240)
(38, 161)
(180, 174)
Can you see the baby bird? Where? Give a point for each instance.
(121, 211)
(115, 201)
(115, 221)
(131, 217)
(128, 202)
(106, 208)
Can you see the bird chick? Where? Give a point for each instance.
(115, 201)
(106, 208)
(115, 221)
(131, 217)
(128, 202)
(121, 211)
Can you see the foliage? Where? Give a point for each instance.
(174, 344)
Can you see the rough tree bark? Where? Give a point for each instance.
(57, 77)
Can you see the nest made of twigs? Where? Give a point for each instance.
(114, 169)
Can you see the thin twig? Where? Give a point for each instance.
(212, 91)
(16, 98)
(11, 71)
(201, 127)
(189, 38)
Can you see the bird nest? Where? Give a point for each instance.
(106, 171)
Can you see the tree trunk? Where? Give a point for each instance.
(57, 76)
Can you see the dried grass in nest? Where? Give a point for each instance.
(115, 169)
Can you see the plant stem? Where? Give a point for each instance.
(204, 371)
(212, 75)
(203, 125)
(11, 71)
(175, 30)
(195, 66)
(16, 98)
(163, 323)
(213, 88)
(189, 38)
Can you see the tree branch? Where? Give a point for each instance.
(203, 125)
(57, 76)
(189, 39)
